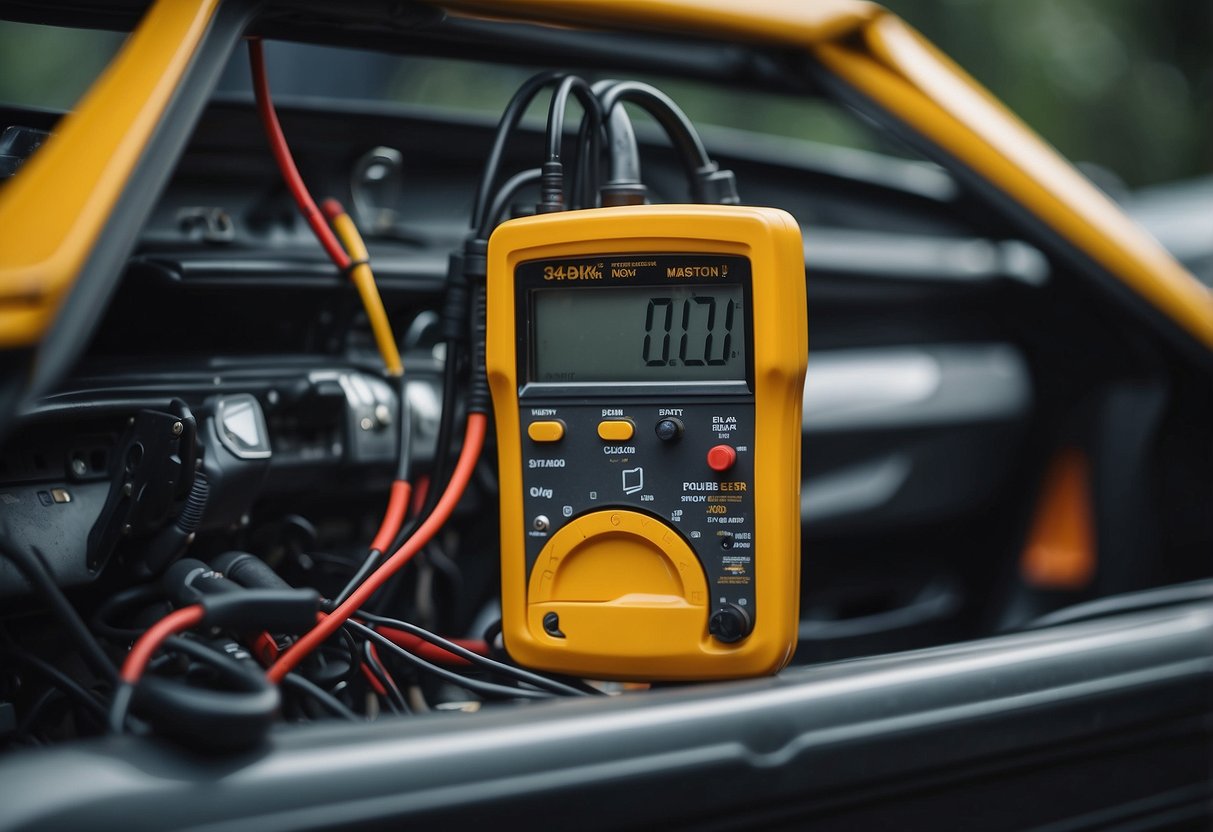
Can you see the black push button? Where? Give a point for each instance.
(669, 429)
(730, 623)
(551, 625)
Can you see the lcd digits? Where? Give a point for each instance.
(700, 325)
(668, 334)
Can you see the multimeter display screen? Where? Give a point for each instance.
(638, 333)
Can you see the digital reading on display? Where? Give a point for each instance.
(638, 333)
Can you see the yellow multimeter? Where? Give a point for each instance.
(647, 365)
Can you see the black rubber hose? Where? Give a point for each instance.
(117, 603)
(198, 717)
(248, 570)
(210, 720)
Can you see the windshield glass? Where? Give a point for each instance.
(1124, 85)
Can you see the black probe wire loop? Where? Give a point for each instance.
(200, 717)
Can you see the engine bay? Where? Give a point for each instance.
(228, 439)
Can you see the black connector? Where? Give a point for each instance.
(228, 605)
(248, 570)
(189, 580)
(715, 186)
(250, 610)
(551, 188)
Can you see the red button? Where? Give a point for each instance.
(721, 458)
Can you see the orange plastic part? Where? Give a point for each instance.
(1060, 553)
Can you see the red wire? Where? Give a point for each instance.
(432, 652)
(472, 443)
(175, 622)
(393, 518)
(286, 164)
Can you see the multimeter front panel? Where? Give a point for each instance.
(638, 396)
(646, 388)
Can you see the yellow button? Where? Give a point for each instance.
(616, 430)
(549, 431)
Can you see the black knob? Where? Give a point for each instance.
(669, 429)
(551, 625)
(730, 623)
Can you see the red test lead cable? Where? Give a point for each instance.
(286, 164)
(468, 456)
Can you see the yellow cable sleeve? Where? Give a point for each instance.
(364, 282)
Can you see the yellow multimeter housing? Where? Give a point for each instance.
(647, 366)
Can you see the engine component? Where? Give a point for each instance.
(152, 476)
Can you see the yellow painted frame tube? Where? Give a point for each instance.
(907, 76)
(892, 65)
(53, 212)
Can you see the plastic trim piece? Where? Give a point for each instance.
(817, 742)
(904, 387)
